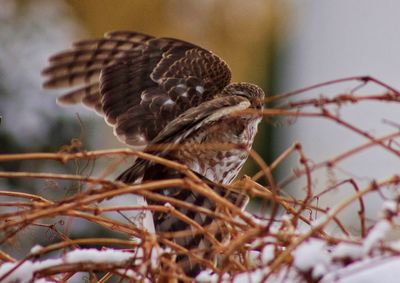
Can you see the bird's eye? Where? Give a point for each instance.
(258, 103)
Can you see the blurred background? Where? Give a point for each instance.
(279, 45)
(246, 35)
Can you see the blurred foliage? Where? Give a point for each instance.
(31, 122)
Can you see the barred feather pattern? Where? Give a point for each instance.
(206, 124)
(167, 91)
(138, 83)
(193, 240)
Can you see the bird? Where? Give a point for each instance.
(165, 91)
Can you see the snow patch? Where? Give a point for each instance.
(312, 255)
(377, 234)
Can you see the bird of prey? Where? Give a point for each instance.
(165, 91)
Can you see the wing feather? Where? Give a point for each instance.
(137, 82)
(183, 126)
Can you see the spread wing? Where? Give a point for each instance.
(137, 82)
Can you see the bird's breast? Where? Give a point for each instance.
(219, 151)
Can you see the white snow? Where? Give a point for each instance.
(268, 254)
(347, 250)
(254, 258)
(311, 254)
(377, 234)
(98, 256)
(206, 276)
(345, 262)
(167, 204)
(390, 205)
(25, 271)
(382, 269)
(36, 249)
(254, 276)
(395, 245)
(385, 270)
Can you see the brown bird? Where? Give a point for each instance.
(165, 91)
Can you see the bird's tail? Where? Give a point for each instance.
(195, 220)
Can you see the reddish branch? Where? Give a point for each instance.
(248, 230)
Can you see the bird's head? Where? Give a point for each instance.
(250, 91)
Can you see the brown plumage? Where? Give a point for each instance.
(165, 91)
(137, 82)
(194, 240)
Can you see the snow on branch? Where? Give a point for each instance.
(100, 231)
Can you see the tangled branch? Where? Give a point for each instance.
(266, 246)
